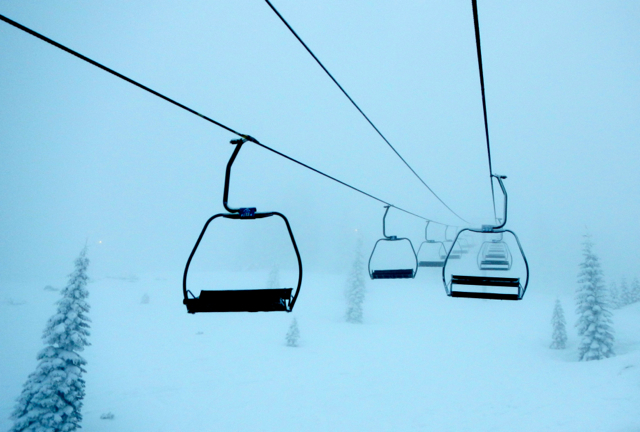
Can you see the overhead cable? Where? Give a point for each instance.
(358, 108)
(476, 24)
(210, 120)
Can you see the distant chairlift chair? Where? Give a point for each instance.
(251, 300)
(433, 252)
(489, 287)
(404, 273)
(495, 255)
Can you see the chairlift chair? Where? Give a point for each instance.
(402, 273)
(432, 247)
(490, 286)
(494, 255)
(251, 300)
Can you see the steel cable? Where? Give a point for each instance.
(358, 108)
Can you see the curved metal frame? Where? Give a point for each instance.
(490, 229)
(242, 213)
(458, 253)
(392, 238)
(442, 253)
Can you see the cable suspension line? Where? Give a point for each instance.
(210, 120)
(476, 24)
(358, 108)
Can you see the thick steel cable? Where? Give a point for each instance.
(358, 108)
(186, 108)
(476, 24)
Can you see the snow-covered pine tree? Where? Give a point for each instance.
(594, 318)
(355, 287)
(559, 336)
(274, 278)
(51, 400)
(293, 335)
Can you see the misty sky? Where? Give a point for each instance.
(88, 157)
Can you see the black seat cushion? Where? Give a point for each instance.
(485, 281)
(256, 300)
(392, 274)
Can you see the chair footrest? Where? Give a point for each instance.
(392, 274)
(255, 300)
(431, 264)
(497, 283)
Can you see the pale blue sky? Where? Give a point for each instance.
(86, 156)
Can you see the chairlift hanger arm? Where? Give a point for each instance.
(504, 192)
(243, 211)
(384, 224)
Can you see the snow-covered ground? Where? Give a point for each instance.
(420, 361)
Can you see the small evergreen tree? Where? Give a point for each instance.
(625, 295)
(355, 287)
(594, 318)
(614, 296)
(559, 336)
(635, 290)
(293, 335)
(51, 400)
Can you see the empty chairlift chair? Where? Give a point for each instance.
(251, 300)
(408, 272)
(494, 258)
(431, 253)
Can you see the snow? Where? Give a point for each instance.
(419, 361)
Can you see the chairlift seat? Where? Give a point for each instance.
(393, 274)
(484, 281)
(496, 255)
(253, 300)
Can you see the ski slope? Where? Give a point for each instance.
(420, 361)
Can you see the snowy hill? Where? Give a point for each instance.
(420, 361)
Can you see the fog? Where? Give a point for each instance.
(88, 158)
